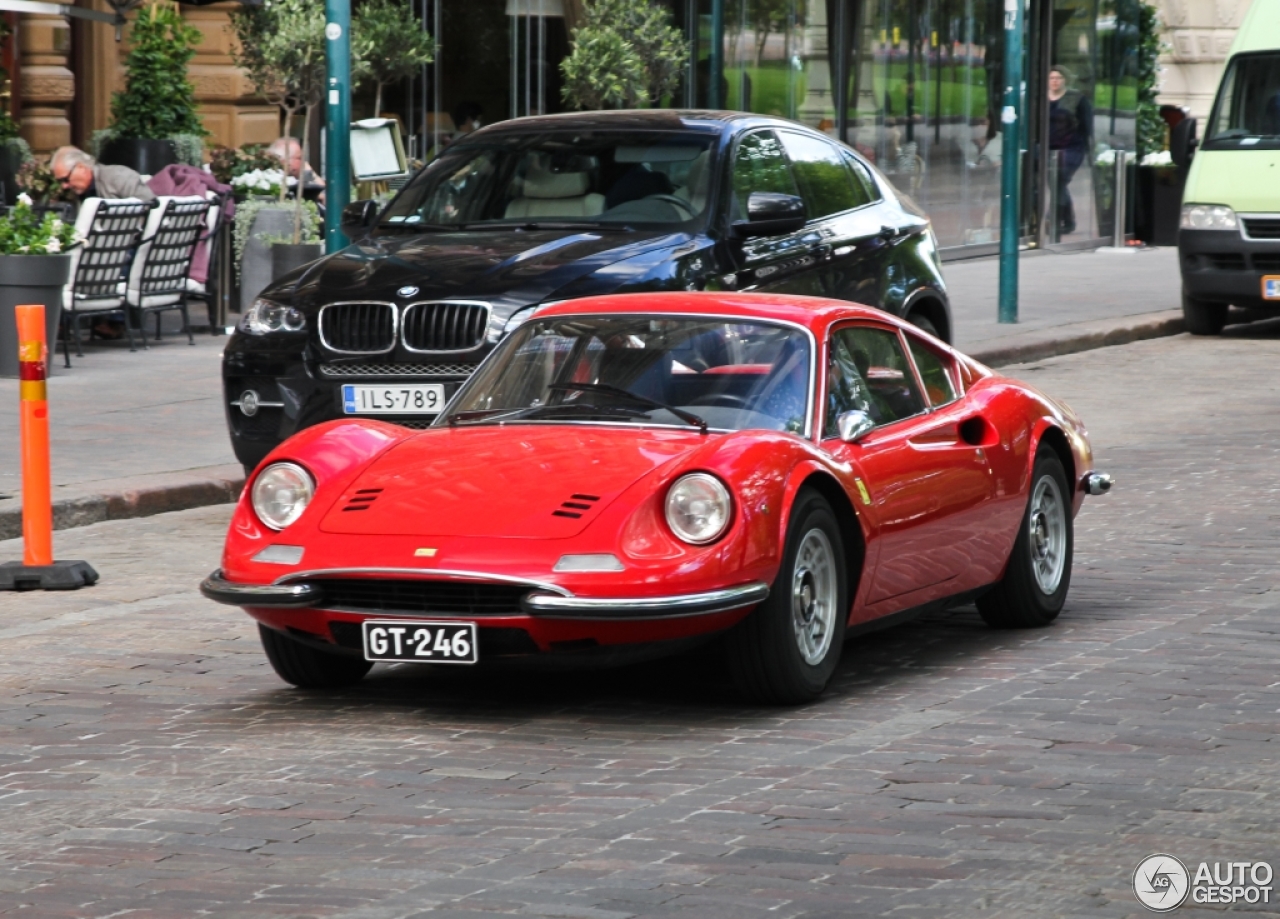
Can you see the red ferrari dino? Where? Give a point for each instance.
(629, 475)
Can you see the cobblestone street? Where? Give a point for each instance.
(152, 765)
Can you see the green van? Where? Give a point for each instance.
(1229, 235)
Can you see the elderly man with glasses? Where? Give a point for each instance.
(74, 169)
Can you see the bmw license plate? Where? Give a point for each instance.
(410, 399)
(1271, 287)
(422, 640)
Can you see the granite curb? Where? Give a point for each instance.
(135, 497)
(1085, 336)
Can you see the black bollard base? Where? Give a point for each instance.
(65, 575)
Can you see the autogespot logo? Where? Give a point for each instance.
(1161, 882)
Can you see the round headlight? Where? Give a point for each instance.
(281, 492)
(698, 508)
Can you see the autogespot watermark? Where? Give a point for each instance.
(1162, 883)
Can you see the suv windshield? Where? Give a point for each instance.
(728, 374)
(1246, 114)
(595, 178)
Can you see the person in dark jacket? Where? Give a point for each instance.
(1070, 139)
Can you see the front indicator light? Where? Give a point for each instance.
(603, 561)
(698, 508)
(281, 492)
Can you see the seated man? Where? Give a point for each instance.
(74, 169)
(288, 150)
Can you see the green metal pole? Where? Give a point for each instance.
(337, 164)
(716, 68)
(1011, 158)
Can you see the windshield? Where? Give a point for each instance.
(1246, 114)
(596, 178)
(726, 374)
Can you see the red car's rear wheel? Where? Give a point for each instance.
(1038, 575)
(307, 667)
(787, 649)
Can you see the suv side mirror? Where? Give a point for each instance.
(853, 425)
(771, 214)
(1182, 142)
(357, 217)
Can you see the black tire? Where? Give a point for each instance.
(923, 322)
(307, 667)
(1022, 599)
(1199, 317)
(764, 650)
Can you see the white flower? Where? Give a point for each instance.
(25, 198)
(1161, 158)
(53, 245)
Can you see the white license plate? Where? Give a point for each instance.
(422, 640)
(412, 399)
(1271, 287)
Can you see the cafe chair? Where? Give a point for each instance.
(158, 276)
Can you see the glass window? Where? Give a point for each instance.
(644, 370)
(825, 183)
(760, 165)
(867, 371)
(935, 372)
(862, 177)
(1247, 113)
(641, 178)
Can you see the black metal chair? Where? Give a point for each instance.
(158, 276)
(210, 290)
(109, 230)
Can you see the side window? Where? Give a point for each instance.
(759, 165)
(939, 383)
(862, 176)
(868, 371)
(825, 182)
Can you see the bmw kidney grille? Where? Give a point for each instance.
(358, 328)
(444, 326)
(371, 328)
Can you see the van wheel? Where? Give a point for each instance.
(1199, 317)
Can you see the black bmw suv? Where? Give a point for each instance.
(537, 210)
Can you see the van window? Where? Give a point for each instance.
(1246, 114)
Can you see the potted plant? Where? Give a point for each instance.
(34, 267)
(265, 246)
(154, 121)
(625, 54)
(388, 37)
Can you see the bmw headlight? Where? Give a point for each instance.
(281, 492)
(1208, 217)
(698, 508)
(266, 316)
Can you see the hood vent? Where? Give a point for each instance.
(576, 506)
(362, 499)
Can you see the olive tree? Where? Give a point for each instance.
(625, 53)
(389, 39)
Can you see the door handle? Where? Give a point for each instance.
(888, 233)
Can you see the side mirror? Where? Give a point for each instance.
(771, 214)
(853, 425)
(1182, 142)
(357, 217)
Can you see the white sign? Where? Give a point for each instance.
(333, 31)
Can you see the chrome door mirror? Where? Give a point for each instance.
(853, 425)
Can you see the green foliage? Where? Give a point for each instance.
(1151, 129)
(23, 233)
(247, 212)
(8, 126)
(625, 53)
(158, 101)
(189, 148)
(227, 162)
(389, 42)
(35, 179)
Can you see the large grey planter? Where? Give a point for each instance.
(30, 279)
(285, 257)
(256, 270)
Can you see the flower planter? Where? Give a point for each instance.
(285, 257)
(145, 157)
(256, 269)
(1159, 204)
(26, 279)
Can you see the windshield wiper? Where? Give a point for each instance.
(565, 225)
(688, 417)
(491, 415)
(423, 227)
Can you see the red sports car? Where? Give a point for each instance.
(626, 476)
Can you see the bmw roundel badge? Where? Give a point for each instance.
(409, 291)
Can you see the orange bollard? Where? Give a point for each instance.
(38, 570)
(37, 493)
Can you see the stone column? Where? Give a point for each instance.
(1198, 36)
(47, 86)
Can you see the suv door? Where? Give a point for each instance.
(783, 263)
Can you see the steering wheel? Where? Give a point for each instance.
(723, 399)
(675, 201)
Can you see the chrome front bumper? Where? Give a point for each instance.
(1096, 483)
(538, 602)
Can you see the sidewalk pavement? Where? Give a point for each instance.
(141, 434)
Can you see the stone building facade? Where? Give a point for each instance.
(1198, 35)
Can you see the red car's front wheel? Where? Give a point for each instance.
(307, 667)
(787, 649)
